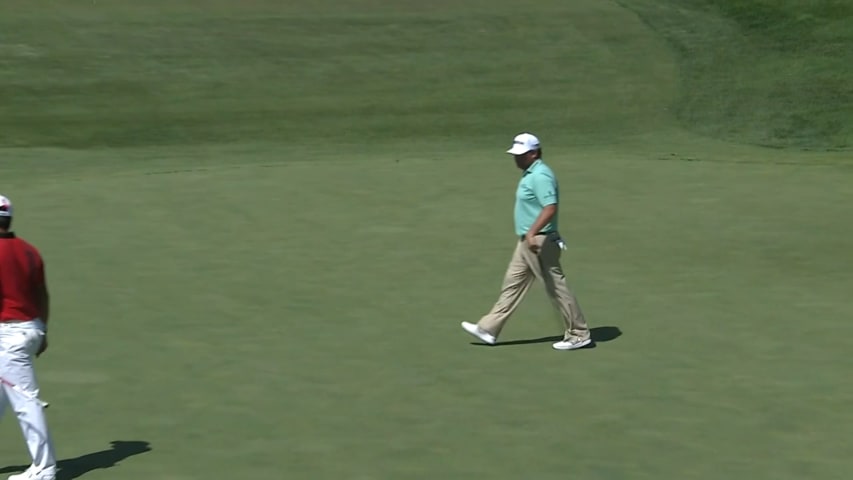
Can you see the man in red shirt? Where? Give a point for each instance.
(24, 310)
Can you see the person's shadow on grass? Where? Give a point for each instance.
(599, 335)
(75, 467)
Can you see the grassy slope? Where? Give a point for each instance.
(315, 334)
(350, 75)
(770, 72)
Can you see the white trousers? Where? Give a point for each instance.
(19, 342)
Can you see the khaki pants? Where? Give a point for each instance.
(524, 268)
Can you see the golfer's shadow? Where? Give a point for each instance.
(599, 335)
(75, 467)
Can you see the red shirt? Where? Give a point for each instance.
(21, 279)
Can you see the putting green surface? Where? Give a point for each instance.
(263, 224)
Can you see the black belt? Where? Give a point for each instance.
(537, 234)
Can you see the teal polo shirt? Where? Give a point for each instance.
(537, 189)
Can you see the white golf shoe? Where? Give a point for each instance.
(33, 473)
(573, 343)
(478, 332)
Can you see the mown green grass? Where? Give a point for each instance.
(263, 223)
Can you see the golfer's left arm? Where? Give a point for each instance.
(544, 218)
(43, 299)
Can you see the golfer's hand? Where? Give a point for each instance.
(531, 243)
(43, 346)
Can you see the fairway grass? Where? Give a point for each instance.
(259, 270)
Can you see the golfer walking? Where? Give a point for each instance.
(24, 308)
(537, 252)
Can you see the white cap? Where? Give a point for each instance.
(5, 207)
(523, 143)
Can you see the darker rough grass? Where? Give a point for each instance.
(773, 73)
